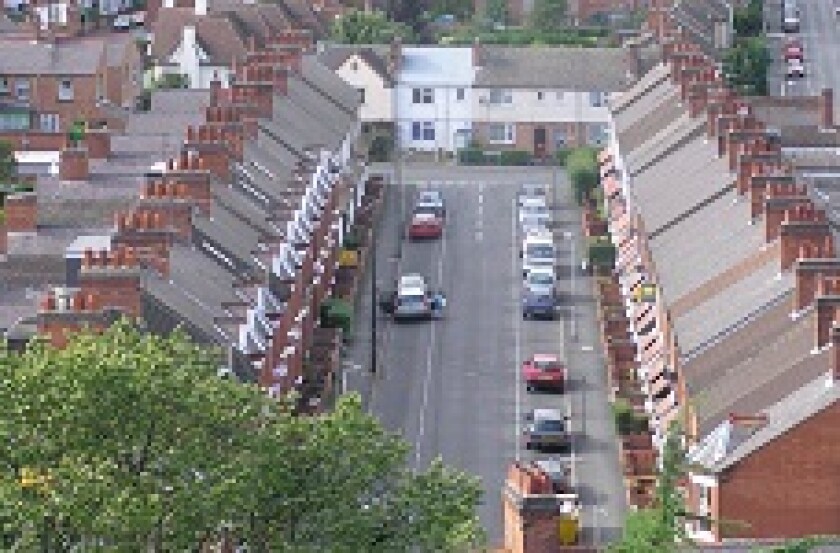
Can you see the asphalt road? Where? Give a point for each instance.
(452, 387)
(820, 35)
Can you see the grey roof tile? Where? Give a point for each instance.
(621, 102)
(77, 57)
(334, 55)
(704, 244)
(567, 68)
(329, 85)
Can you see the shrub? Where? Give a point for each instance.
(582, 165)
(626, 419)
(515, 157)
(471, 156)
(601, 252)
(352, 240)
(561, 156)
(381, 148)
(337, 313)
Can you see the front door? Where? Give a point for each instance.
(539, 142)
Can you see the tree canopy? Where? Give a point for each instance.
(549, 15)
(358, 27)
(582, 166)
(8, 165)
(128, 440)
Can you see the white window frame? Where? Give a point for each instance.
(65, 90)
(48, 122)
(508, 132)
(540, 95)
(500, 97)
(422, 96)
(362, 94)
(597, 99)
(460, 94)
(22, 89)
(4, 85)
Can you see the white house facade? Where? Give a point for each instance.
(191, 60)
(433, 100)
(369, 71)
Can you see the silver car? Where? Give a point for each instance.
(548, 429)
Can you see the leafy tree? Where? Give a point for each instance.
(132, 440)
(76, 132)
(549, 15)
(358, 27)
(496, 11)
(745, 66)
(747, 21)
(461, 9)
(582, 166)
(8, 165)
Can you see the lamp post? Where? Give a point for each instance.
(570, 237)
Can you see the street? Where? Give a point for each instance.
(820, 35)
(452, 388)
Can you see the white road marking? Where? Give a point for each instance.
(586, 348)
(479, 236)
(517, 347)
(429, 351)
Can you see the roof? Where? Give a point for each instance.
(215, 34)
(436, 65)
(585, 69)
(330, 85)
(750, 385)
(78, 57)
(375, 56)
(697, 19)
(727, 445)
(550, 414)
(116, 46)
(412, 281)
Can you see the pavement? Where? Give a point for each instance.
(820, 35)
(452, 388)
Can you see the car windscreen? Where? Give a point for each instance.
(550, 426)
(534, 209)
(544, 279)
(425, 208)
(541, 251)
(547, 365)
(411, 300)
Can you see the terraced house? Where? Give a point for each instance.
(730, 276)
(235, 238)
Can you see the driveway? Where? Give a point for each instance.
(452, 387)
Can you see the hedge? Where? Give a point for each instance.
(337, 313)
(626, 419)
(602, 252)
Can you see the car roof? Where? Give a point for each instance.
(541, 269)
(412, 281)
(545, 357)
(425, 216)
(539, 238)
(436, 195)
(548, 414)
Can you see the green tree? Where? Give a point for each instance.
(748, 20)
(582, 167)
(496, 11)
(549, 15)
(8, 164)
(358, 27)
(133, 440)
(745, 66)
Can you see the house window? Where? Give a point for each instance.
(561, 96)
(597, 134)
(560, 139)
(423, 131)
(4, 85)
(22, 89)
(354, 66)
(540, 95)
(500, 133)
(48, 122)
(423, 96)
(14, 121)
(597, 99)
(704, 509)
(500, 96)
(65, 90)
(460, 94)
(361, 95)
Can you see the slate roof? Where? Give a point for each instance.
(330, 85)
(645, 109)
(376, 56)
(23, 57)
(808, 400)
(697, 18)
(577, 69)
(215, 34)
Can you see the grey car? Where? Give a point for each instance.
(548, 429)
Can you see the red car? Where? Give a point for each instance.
(544, 372)
(794, 51)
(425, 225)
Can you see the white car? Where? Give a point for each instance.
(532, 191)
(538, 252)
(533, 212)
(541, 281)
(123, 22)
(795, 69)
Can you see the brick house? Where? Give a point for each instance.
(257, 202)
(736, 342)
(546, 99)
(47, 85)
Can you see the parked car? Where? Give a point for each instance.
(544, 372)
(548, 430)
(537, 251)
(541, 280)
(538, 306)
(430, 200)
(123, 22)
(412, 298)
(795, 69)
(794, 51)
(534, 211)
(530, 191)
(425, 225)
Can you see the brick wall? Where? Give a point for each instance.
(789, 487)
(588, 8)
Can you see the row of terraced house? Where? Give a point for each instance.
(219, 211)
(727, 276)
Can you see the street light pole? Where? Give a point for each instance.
(373, 302)
(572, 269)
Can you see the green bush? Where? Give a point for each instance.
(626, 419)
(337, 313)
(515, 157)
(561, 156)
(381, 148)
(601, 252)
(582, 166)
(352, 241)
(471, 156)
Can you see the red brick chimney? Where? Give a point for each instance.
(169, 203)
(721, 100)
(477, 53)
(395, 54)
(835, 350)
(22, 212)
(73, 164)
(98, 142)
(805, 233)
(770, 183)
(826, 107)
(827, 308)
(759, 155)
(215, 90)
(300, 38)
(809, 273)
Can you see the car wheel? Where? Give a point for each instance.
(529, 388)
(524, 316)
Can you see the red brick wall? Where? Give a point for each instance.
(789, 487)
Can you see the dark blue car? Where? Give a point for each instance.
(538, 306)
